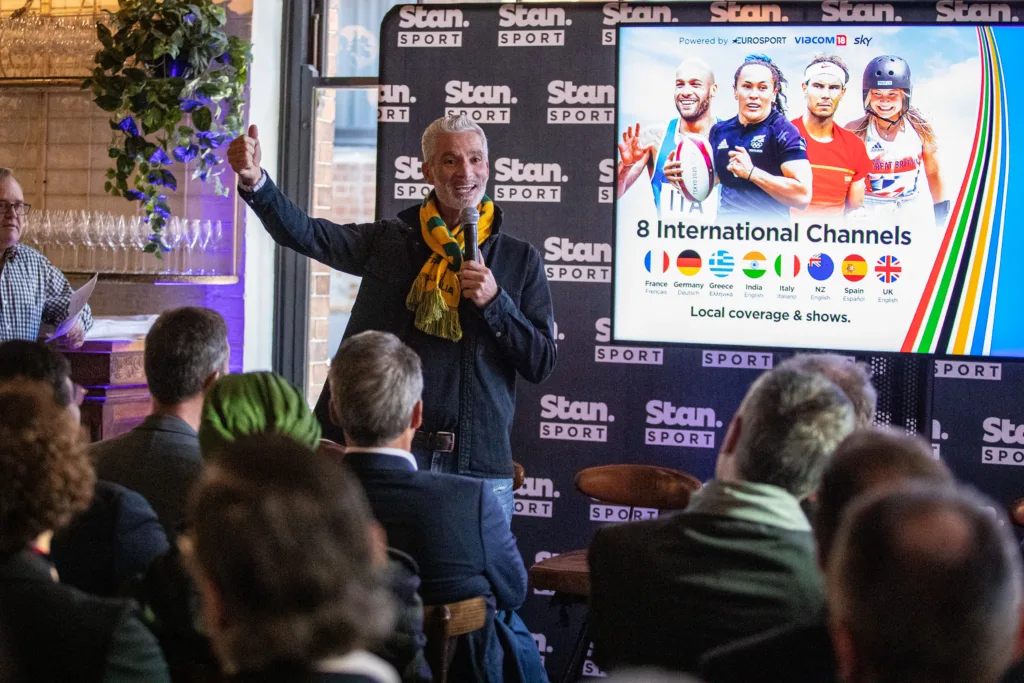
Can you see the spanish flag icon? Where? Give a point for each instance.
(854, 268)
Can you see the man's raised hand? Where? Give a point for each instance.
(244, 155)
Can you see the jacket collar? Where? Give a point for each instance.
(368, 461)
(411, 217)
(167, 423)
(750, 502)
(25, 565)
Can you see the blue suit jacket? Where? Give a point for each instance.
(455, 530)
(453, 527)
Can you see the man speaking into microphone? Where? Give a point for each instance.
(475, 323)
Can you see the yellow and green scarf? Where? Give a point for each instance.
(436, 292)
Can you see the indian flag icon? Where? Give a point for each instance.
(787, 267)
(754, 264)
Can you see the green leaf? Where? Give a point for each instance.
(103, 33)
(108, 186)
(113, 152)
(202, 118)
(108, 102)
(136, 75)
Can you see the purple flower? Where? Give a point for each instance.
(189, 105)
(189, 18)
(159, 157)
(161, 211)
(185, 154)
(127, 124)
(134, 194)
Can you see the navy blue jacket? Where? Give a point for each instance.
(469, 387)
(455, 530)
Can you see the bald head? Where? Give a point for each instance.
(695, 86)
(924, 586)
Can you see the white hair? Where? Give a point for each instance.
(450, 123)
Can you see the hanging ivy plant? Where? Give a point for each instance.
(173, 81)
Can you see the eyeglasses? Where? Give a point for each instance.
(20, 208)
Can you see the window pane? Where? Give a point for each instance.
(344, 187)
(358, 44)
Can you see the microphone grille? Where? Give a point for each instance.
(469, 215)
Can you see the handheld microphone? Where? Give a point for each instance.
(468, 219)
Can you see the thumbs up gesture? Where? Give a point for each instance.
(244, 155)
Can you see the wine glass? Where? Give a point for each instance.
(216, 242)
(191, 239)
(69, 240)
(123, 241)
(205, 237)
(172, 234)
(139, 231)
(46, 234)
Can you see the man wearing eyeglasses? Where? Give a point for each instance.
(32, 291)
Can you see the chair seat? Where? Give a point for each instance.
(566, 573)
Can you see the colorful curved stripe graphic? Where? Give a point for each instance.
(957, 307)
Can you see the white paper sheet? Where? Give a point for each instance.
(79, 298)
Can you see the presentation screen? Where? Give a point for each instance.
(834, 187)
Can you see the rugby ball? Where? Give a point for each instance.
(694, 156)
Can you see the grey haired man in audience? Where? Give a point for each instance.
(740, 559)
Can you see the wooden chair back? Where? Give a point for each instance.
(443, 624)
(646, 486)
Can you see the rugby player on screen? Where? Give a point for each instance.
(760, 157)
(839, 160)
(904, 184)
(653, 149)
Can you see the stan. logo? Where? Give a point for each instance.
(623, 13)
(975, 12)
(665, 413)
(737, 359)
(465, 93)
(392, 103)
(831, 10)
(620, 513)
(633, 355)
(567, 92)
(539, 494)
(563, 254)
(540, 557)
(606, 176)
(410, 168)
(419, 17)
(545, 181)
(591, 670)
(1002, 431)
(737, 12)
(570, 414)
(953, 369)
(533, 26)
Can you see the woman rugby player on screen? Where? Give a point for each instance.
(760, 157)
(902, 147)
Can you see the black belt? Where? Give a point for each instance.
(442, 442)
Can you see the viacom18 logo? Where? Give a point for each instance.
(634, 355)
(545, 181)
(665, 413)
(420, 17)
(567, 92)
(844, 11)
(738, 12)
(532, 24)
(1005, 432)
(392, 103)
(616, 13)
(577, 420)
(465, 93)
(539, 495)
(606, 190)
(410, 168)
(980, 12)
(574, 261)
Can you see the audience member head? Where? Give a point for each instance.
(12, 209)
(923, 587)
(38, 362)
(852, 377)
(186, 351)
(47, 476)
(282, 555)
(869, 460)
(376, 383)
(787, 425)
(254, 403)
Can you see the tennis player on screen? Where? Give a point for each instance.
(760, 157)
(839, 160)
(650, 148)
(905, 184)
